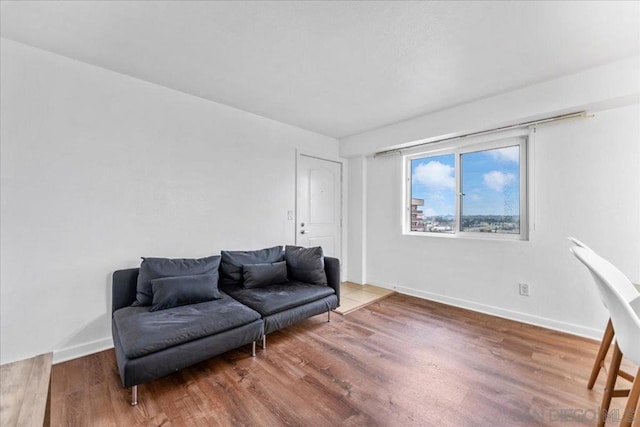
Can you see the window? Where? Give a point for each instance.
(472, 190)
(433, 194)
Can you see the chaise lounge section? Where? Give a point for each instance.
(151, 344)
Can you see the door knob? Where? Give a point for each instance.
(303, 232)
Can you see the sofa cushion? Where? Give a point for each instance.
(285, 318)
(142, 331)
(260, 275)
(232, 262)
(279, 297)
(306, 264)
(156, 268)
(171, 292)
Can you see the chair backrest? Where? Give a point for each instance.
(615, 289)
(629, 293)
(578, 243)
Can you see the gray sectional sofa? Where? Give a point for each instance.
(162, 322)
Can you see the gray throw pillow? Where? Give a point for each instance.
(182, 290)
(232, 262)
(260, 275)
(306, 264)
(157, 268)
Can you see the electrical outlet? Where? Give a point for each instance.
(524, 289)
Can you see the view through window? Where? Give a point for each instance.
(474, 190)
(490, 199)
(433, 194)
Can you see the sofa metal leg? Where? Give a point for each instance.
(328, 316)
(264, 341)
(134, 395)
(253, 349)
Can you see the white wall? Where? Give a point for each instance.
(99, 169)
(586, 183)
(607, 86)
(357, 220)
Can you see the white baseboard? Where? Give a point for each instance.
(80, 350)
(544, 322)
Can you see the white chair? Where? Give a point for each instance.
(605, 343)
(615, 289)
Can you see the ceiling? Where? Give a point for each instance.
(336, 68)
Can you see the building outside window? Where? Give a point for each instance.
(417, 217)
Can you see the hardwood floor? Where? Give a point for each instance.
(401, 361)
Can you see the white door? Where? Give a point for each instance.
(319, 205)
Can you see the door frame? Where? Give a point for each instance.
(343, 205)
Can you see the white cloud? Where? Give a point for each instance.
(435, 175)
(475, 197)
(435, 197)
(507, 154)
(497, 180)
(427, 212)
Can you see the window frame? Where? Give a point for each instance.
(456, 148)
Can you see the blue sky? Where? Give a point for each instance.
(490, 182)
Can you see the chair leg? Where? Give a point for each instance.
(602, 353)
(616, 359)
(134, 395)
(632, 401)
(328, 316)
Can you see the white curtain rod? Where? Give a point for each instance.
(577, 115)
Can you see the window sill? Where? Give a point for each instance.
(470, 236)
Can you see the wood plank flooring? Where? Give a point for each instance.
(401, 361)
